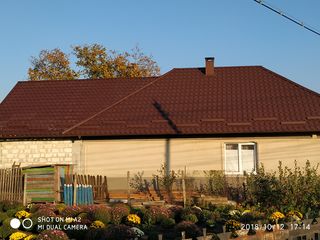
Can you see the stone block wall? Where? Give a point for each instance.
(36, 152)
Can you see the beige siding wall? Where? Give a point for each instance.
(115, 157)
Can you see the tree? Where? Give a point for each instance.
(92, 61)
(51, 65)
(96, 61)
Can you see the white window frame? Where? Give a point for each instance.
(240, 172)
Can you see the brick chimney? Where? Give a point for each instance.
(209, 66)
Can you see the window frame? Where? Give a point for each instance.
(240, 162)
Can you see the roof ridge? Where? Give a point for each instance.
(115, 104)
(292, 82)
(83, 79)
(240, 66)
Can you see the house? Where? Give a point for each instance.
(223, 118)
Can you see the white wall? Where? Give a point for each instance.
(36, 152)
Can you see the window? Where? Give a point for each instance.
(240, 157)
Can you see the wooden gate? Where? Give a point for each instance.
(11, 184)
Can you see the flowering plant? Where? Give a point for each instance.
(277, 216)
(52, 235)
(232, 225)
(17, 236)
(70, 220)
(133, 218)
(98, 224)
(119, 212)
(30, 237)
(22, 214)
(295, 215)
(71, 211)
(157, 214)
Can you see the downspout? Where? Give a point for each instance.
(167, 156)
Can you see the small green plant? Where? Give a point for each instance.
(139, 184)
(191, 218)
(6, 229)
(215, 183)
(166, 178)
(168, 223)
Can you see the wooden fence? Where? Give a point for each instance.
(11, 184)
(99, 184)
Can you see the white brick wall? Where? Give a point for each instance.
(36, 152)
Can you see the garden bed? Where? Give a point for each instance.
(119, 221)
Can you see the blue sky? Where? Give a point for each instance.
(178, 33)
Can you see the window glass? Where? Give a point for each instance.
(248, 158)
(232, 158)
(240, 157)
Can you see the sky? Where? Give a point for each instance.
(177, 33)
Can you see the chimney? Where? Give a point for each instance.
(209, 66)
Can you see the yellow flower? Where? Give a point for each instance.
(133, 218)
(277, 216)
(246, 211)
(17, 236)
(31, 237)
(22, 214)
(98, 224)
(69, 220)
(295, 214)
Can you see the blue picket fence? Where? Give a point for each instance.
(84, 194)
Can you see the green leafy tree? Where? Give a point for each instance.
(51, 65)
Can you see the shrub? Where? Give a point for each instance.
(190, 218)
(176, 212)
(116, 232)
(102, 214)
(94, 234)
(9, 205)
(118, 212)
(138, 183)
(71, 211)
(156, 214)
(168, 223)
(297, 188)
(43, 213)
(3, 216)
(191, 229)
(89, 208)
(11, 212)
(52, 235)
(215, 182)
(5, 229)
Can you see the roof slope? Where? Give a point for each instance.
(180, 102)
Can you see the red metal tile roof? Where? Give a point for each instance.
(251, 100)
